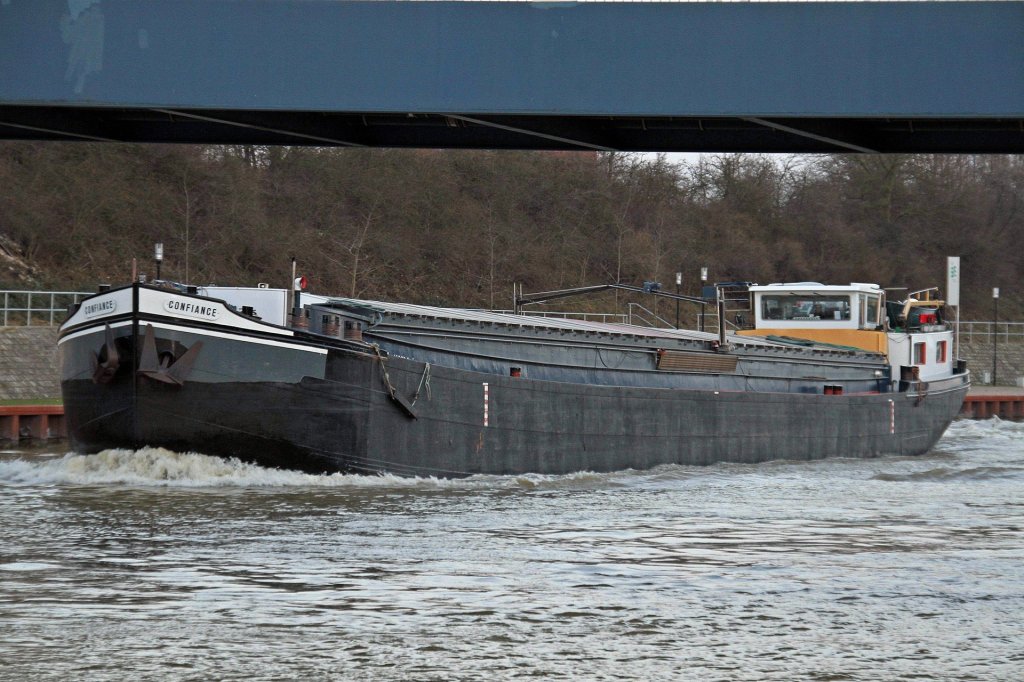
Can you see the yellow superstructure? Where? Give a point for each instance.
(857, 338)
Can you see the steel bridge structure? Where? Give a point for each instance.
(800, 77)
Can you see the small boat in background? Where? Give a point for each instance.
(334, 384)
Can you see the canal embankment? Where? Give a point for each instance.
(30, 406)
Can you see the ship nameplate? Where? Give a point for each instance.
(102, 307)
(200, 310)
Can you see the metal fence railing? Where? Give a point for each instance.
(586, 317)
(42, 308)
(982, 331)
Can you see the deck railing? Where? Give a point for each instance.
(643, 317)
(978, 331)
(586, 317)
(36, 308)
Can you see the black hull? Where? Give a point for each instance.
(333, 407)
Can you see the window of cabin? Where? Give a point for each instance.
(801, 308)
(872, 311)
(940, 351)
(920, 356)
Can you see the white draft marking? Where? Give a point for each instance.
(486, 403)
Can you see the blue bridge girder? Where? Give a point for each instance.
(652, 76)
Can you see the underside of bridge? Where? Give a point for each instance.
(769, 77)
(479, 131)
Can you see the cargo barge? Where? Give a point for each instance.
(344, 385)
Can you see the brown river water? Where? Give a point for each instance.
(154, 565)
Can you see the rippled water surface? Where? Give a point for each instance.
(157, 565)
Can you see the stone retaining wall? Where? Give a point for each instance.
(1010, 361)
(28, 363)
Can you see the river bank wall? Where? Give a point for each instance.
(28, 364)
(1009, 368)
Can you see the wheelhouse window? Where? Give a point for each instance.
(941, 351)
(806, 308)
(871, 311)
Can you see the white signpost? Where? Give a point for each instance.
(953, 280)
(953, 298)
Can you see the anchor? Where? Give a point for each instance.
(163, 367)
(103, 371)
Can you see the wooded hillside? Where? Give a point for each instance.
(458, 228)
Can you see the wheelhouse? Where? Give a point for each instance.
(809, 305)
(846, 315)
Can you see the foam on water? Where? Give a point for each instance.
(942, 474)
(161, 467)
(987, 429)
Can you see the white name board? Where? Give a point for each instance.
(102, 307)
(198, 310)
(953, 280)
